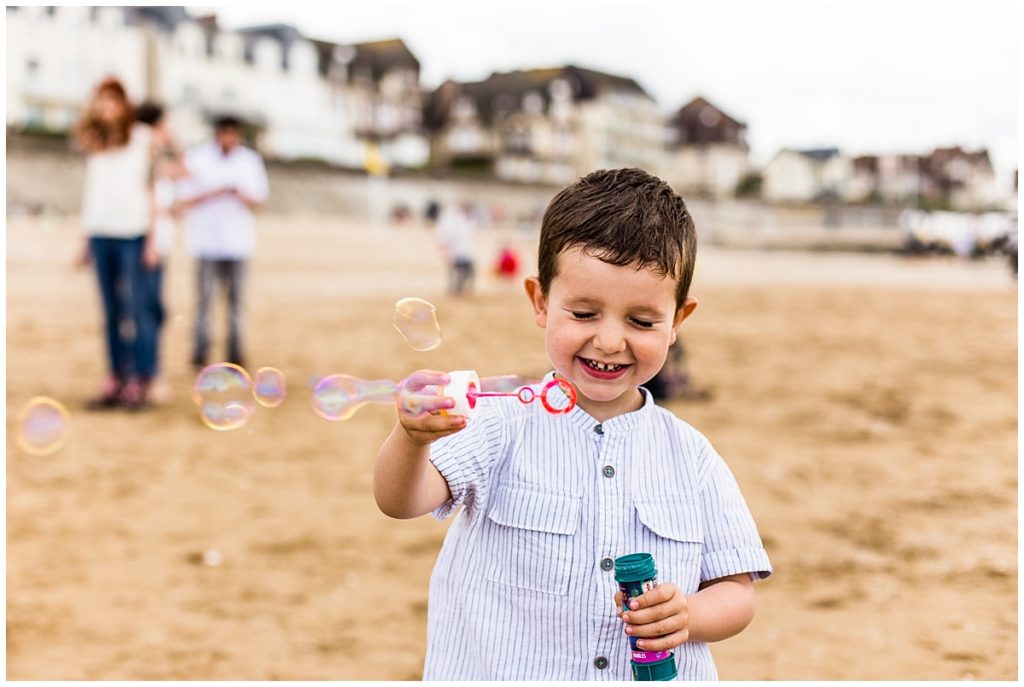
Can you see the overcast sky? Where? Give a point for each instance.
(903, 78)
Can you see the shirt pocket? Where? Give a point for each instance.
(532, 537)
(672, 532)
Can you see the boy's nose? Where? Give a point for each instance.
(609, 338)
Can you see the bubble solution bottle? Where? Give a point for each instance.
(636, 574)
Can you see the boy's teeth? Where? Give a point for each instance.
(602, 367)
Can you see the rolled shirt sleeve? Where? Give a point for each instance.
(732, 544)
(465, 460)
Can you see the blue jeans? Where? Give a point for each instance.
(119, 271)
(152, 282)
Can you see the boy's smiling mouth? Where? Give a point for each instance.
(602, 370)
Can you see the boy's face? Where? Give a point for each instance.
(608, 328)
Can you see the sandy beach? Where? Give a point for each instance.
(866, 404)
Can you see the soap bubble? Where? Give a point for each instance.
(338, 396)
(269, 387)
(224, 395)
(42, 426)
(416, 320)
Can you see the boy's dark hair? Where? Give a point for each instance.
(149, 113)
(623, 217)
(227, 121)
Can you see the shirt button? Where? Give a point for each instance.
(600, 662)
(608, 471)
(606, 564)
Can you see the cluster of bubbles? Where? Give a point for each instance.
(42, 426)
(340, 396)
(227, 395)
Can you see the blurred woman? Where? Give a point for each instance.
(116, 217)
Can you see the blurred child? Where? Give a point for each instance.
(168, 167)
(455, 228)
(523, 587)
(673, 380)
(506, 267)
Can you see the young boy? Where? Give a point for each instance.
(524, 588)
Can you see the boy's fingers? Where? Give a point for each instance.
(423, 378)
(666, 643)
(658, 595)
(415, 404)
(658, 628)
(438, 423)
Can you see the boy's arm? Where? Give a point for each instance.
(665, 618)
(405, 483)
(721, 608)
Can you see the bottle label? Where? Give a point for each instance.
(629, 591)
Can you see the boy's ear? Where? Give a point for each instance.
(537, 300)
(684, 311)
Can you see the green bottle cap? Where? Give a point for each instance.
(635, 567)
(659, 671)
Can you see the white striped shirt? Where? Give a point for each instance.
(519, 592)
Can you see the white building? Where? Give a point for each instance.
(298, 94)
(802, 176)
(546, 125)
(708, 151)
(55, 55)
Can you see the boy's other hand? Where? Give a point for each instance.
(661, 617)
(420, 406)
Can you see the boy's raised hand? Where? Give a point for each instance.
(661, 617)
(420, 406)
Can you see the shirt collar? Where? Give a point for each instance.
(619, 423)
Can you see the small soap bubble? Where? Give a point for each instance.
(42, 426)
(416, 320)
(338, 396)
(224, 394)
(269, 387)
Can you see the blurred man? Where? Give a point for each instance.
(226, 183)
(455, 228)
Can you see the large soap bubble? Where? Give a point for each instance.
(416, 320)
(224, 395)
(42, 426)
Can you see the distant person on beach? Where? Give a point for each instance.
(226, 183)
(168, 168)
(116, 216)
(524, 588)
(455, 229)
(673, 380)
(506, 267)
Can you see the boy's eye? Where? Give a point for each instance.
(643, 324)
(582, 315)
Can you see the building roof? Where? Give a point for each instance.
(285, 34)
(819, 154)
(163, 17)
(503, 92)
(700, 123)
(377, 58)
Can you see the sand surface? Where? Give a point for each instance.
(867, 405)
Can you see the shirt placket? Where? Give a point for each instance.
(608, 543)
